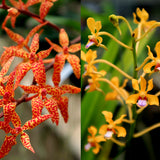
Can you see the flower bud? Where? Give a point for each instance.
(115, 21)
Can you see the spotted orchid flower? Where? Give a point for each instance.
(65, 49)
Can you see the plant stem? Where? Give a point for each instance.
(36, 17)
(112, 85)
(134, 58)
(114, 66)
(132, 127)
(125, 20)
(115, 39)
(157, 24)
(136, 135)
(117, 142)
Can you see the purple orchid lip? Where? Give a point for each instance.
(87, 87)
(108, 134)
(142, 103)
(89, 44)
(87, 146)
(158, 68)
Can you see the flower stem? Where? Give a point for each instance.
(112, 85)
(157, 24)
(128, 121)
(134, 58)
(114, 66)
(144, 62)
(115, 39)
(157, 94)
(125, 20)
(133, 109)
(136, 135)
(117, 142)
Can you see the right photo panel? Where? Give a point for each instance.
(120, 58)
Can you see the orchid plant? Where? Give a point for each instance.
(33, 59)
(132, 101)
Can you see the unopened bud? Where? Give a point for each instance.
(115, 21)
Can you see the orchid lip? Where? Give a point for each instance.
(158, 68)
(108, 134)
(87, 87)
(89, 44)
(87, 146)
(142, 103)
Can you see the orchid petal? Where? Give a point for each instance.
(75, 63)
(35, 122)
(37, 106)
(52, 107)
(26, 142)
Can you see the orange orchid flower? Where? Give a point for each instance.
(65, 50)
(52, 104)
(21, 42)
(114, 95)
(142, 98)
(107, 130)
(155, 60)
(7, 91)
(44, 7)
(89, 57)
(94, 38)
(13, 13)
(144, 23)
(7, 145)
(4, 70)
(93, 140)
(35, 61)
(27, 126)
(93, 81)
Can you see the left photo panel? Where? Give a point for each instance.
(40, 77)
